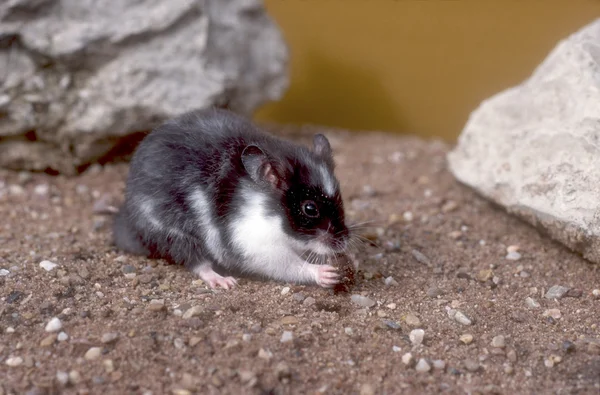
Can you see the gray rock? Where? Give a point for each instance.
(82, 75)
(556, 292)
(535, 147)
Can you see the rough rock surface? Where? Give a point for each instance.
(535, 148)
(78, 78)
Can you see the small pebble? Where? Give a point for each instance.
(392, 324)
(420, 257)
(434, 292)
(596, 293)
(407, 358)
(74, 377)
(531, 303)
(109, 365)
(156, 305)
(285, 290)
(93, 353)
(449, 206)
(309, 301)
(407, 216)
(556, 292)
(192, 312)
(348, 331)
(396, 349)
(412, 320)
(109, 337)
(471, 365)
(389, 281)
(362, 301)
(48, 266)
(127, 269)
(458, 316)
(554, 313)
(4, 272)
(467, 338)
(484, 275)
(391, 306)
(264, 354)
(498, 341)
(180, 344)
(513, 256)
(439, 364)
(62, 377)
(54, 325)
(422, 366)
(512, 248)
(574, 293)
(246, 337)
(13, 362)
(62, 336)
(416, 336)
(289, 320)
(286, 337)
(48, 340)
(568, 346)
(10, 329)
(298, 297)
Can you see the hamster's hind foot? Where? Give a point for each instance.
(212, 278)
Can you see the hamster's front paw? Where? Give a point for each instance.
(327, 276)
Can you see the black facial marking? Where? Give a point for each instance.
(311, 212)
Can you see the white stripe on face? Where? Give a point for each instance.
(328, 182)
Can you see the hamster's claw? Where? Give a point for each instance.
(327, 276)
(223, 282)
(214, 279)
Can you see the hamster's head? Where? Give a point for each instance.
(306, 193)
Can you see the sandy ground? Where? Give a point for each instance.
(441, 258)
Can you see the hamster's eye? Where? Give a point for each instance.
(309, 208)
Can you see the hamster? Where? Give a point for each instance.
(211, 191)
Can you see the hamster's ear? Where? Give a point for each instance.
(257, 165)
(323, 148)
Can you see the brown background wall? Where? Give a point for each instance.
(416, 66)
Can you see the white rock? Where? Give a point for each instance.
(285, 290)
(363, 301)
(62, 377)
(396, 349)
(54, 325)
(47, 265)
(13, 362)
(93, 353)
(390, 281)
(10, 329)
(422, 366)
(458, 316)
(62, 336)
(287, 336)
(416, 336)
(513, 256)
(4, 272)
(531, 303)
(439, 364)
(407, 358)
(535, 148)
